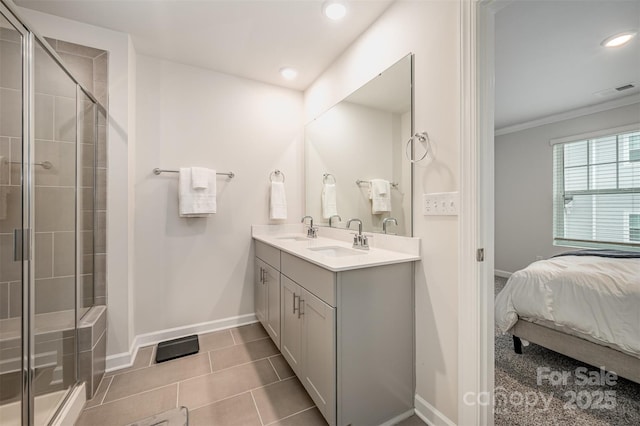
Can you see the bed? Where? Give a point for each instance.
(583, 304)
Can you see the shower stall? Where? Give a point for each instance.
(50, 133)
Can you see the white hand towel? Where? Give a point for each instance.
(380, 196)
(278, 202)
(196, 202)
(199, 178)
(329, 206)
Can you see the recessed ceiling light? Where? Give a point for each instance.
(334, 9)
(619, 39)
(288, 73)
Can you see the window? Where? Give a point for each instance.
(634, 227)
(596, 185)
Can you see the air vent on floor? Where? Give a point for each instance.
(625, 87)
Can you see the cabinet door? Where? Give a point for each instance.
(291, 325)
(319, 353)
(272, 302)
(259, 292)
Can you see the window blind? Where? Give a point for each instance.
(596, 191)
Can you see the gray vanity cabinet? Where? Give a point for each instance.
(347, 335)
(308, 344)
(267, 290)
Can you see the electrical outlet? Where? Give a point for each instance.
(440, 204)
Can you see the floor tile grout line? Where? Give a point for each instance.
(244, 363)
(255, 404)
(191, 378)
(290, 415)
(132, 395)
(232, 338)
(274, 369)
(105, 392)
(210, 362)
(238, 394)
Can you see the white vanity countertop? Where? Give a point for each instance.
(280, 236)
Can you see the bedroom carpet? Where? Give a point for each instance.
(520, 400)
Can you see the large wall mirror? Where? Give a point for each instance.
(355, 148)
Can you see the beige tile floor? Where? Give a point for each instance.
(238, 378)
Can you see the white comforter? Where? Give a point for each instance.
(596, 296)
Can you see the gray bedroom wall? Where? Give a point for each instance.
(523, 186)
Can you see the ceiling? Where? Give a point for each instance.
(247, 38)
(549, 58)
(548, 54)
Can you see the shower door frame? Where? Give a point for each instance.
(28, 45)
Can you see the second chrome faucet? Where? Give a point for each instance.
(359, 241)
(312, 231)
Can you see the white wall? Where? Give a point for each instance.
(195, 270)
(121, 135)
(523, 185)
(431, 30)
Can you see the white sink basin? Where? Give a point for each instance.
(293, 238)
(336, 251)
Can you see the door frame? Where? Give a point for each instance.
(476, 277)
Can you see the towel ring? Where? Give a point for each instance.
(277, 173)
(422, 137)
(326, 176)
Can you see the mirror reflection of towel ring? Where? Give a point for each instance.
(276, 173)
(326, 176)
(422, 137)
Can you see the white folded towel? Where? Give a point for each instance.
(380, 196)
(329, 206)
(196, 202)
(278, 201)
(199, 178)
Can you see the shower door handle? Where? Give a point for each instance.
(18, 246)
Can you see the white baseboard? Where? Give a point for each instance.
(73, 407)
(429, 414)
(125, 359)
(502, 274)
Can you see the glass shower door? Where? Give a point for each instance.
(54, 175)
(14, 272)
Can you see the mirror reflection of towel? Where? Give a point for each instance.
(380, 196)
(329, 205)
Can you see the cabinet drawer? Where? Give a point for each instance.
(269, 254)
(313, 278)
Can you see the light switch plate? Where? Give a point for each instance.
(440, 204)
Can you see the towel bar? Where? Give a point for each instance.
(157, 171)
(368, 182)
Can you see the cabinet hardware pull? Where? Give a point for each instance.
(266, 274)
(301, 301)
(294, 303)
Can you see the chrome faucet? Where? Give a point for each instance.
(359, 241)
(312, 232)
(387, 220)
(331, 220)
